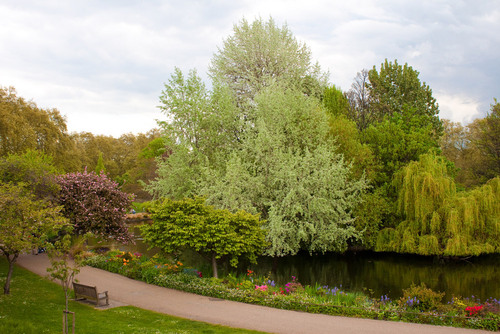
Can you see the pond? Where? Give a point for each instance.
(376, 273)
(388, 273)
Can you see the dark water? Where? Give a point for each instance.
(386, 273)
(380, 273)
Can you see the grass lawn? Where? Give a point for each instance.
(35, 305)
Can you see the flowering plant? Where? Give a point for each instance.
(293, 286)
(262, 288)
(473, 310)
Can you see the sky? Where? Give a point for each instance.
(103, 64)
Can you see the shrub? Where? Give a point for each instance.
(421, 298)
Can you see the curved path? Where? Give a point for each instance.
(125, 291)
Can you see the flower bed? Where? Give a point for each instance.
(419, 304)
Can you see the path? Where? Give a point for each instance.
(125, 291)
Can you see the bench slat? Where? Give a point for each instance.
(90, 293)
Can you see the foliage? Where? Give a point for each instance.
(260, 53)
(348, 142)
(335, 101)
(394, 144)
(486, 140)
(371, 215)
(25, 222)
(211, 232)
(203, 127)
(397, 90)
(421, 298)
(287, 170)
(436, 220)
(123, 158)
(24, 126)
(100, 165)
(93, 203)
(33, 169)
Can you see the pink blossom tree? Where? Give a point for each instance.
(94, 203)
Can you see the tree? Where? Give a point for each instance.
(335, 101)
(100, 165)
(211, 232)
(359, 101)
(25, 222)
(475, 148)
(261, 142)
(288, 171)
(93, 203)
(34, 169)
(260, 53)
(488, 143)
(435, 219)
(397, 90)
(203, 128)
(456, 145)
(24, 126)
(64, 268)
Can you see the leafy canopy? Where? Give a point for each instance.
(438, 220)
(211, 232)
(93, 203)
(261, 53)
(25, 223)
(24, 126)
(288, 171)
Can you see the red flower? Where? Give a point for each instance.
(473, 310)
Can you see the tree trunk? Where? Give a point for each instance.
(6, 287)
(214, 266)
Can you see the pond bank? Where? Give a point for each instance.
(186, 305)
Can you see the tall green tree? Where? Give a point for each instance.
(397, 90)
(260, 53)
(24, 126)
(288, 171)
(397, 114)
(435, 219)
(204, 126)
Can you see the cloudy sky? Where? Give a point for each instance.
(103, 64)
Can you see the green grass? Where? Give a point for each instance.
(35, 305)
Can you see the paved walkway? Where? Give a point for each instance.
(125, 291)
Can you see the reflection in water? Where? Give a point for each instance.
(390, 273)
(383, 273)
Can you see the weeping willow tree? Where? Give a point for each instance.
(436, 220)
(472, 221)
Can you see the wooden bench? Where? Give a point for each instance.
(90, 293)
